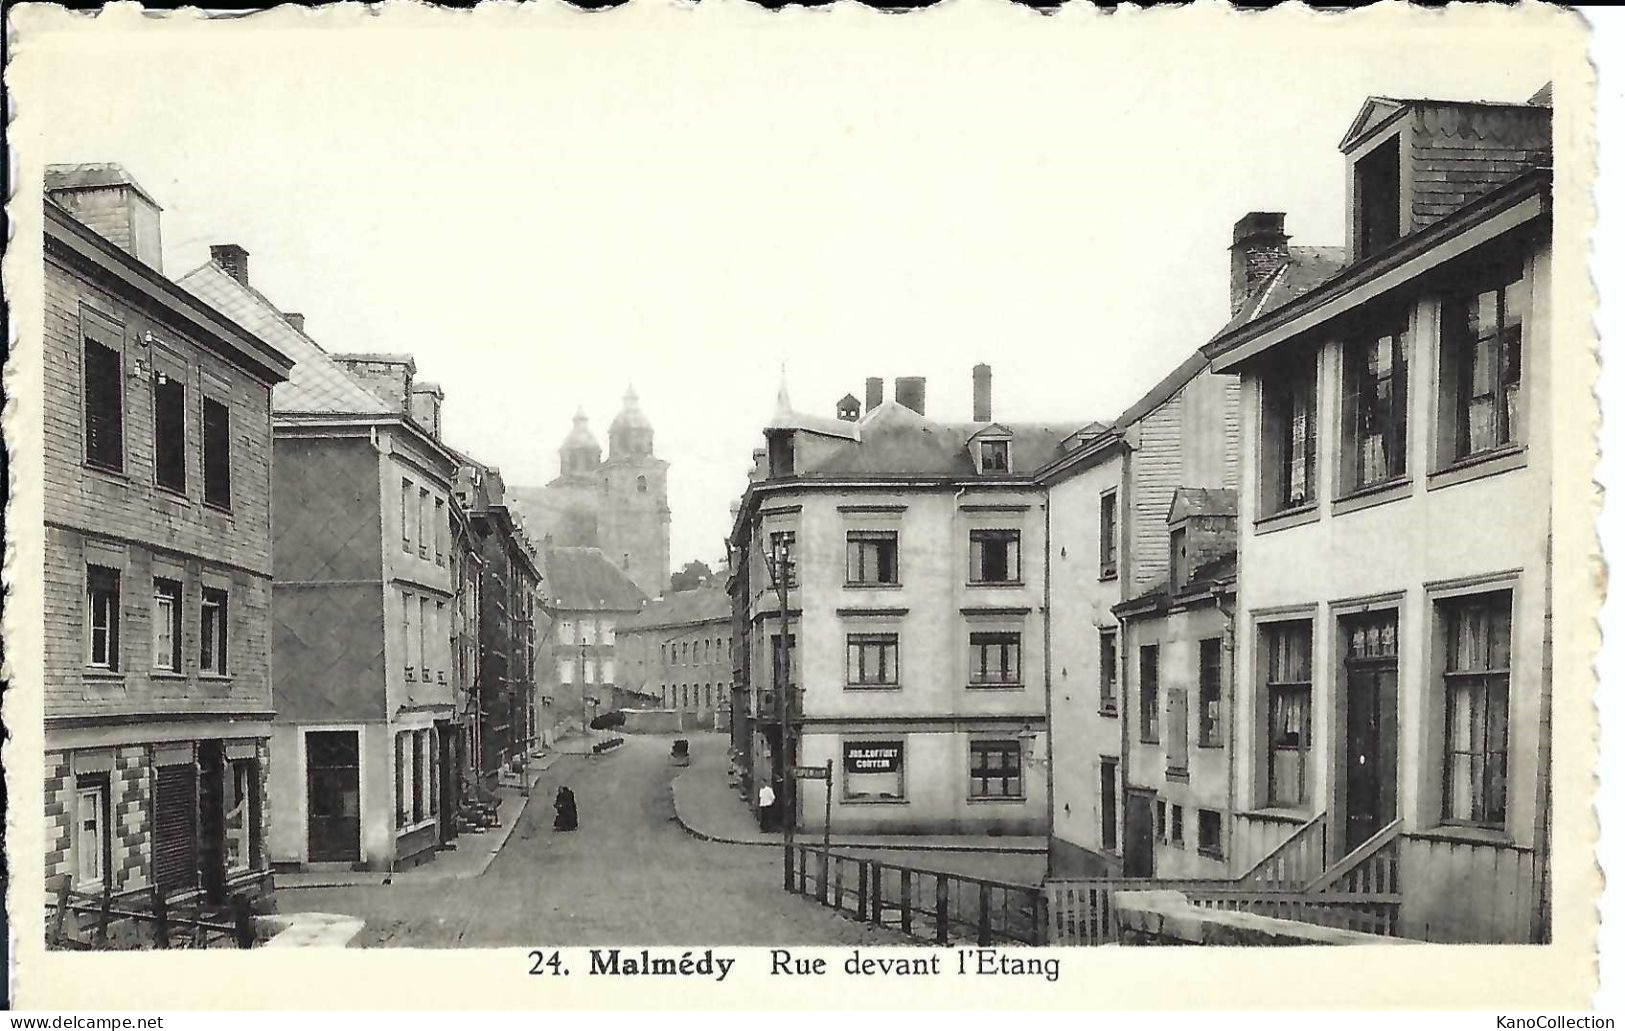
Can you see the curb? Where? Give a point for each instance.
(693, 831)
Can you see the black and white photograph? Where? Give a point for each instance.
(747, 497)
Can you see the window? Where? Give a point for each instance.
(643, 484)
(242, 808)
(104, 407)
(441, 636)
(1162, 820)
(567, 633)
(1287, 688)
(589, 672)
(662, 653)
(871, 557)
(439, 532)
(92, 844)
(1179, 738)
(995, 556)
(166, 625)
(102, 596)
(567, 671)
(423, 523)
(995, 456)
(1287, 475)
(406, 517)
(212, 640)
(1208, 681)
(782, 545)
(1178, 568)
(606, 634)
(995, 658)
(1108, 805)
(419, 778)
(995, 769)
(1209, 833)
(685, 653)
(1376, 199)
(871, 660)
(1478, 663)
(216, 454)
(409, 637)
(872, 771)
(1149, 721)
(423, 636)
(1108, 672)
(1108, 535)
(608, 666)
(783, 661)
(1176, 826)
(169, 432)
(1374, 399)
(403, 783)
(1482, 365)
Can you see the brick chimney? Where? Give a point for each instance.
(1258, 250)
(295, 319)
(387, 375)
(909, 391)
(426, 401)
(874, 392)
(232, 258)
(109, 201)
(981, 379)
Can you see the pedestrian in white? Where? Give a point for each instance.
(764, 807)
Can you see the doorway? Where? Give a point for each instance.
(1139, 840)
(1371, 727)
(445, 734)
(211, 758)
(333, 790)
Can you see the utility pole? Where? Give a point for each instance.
(777, 567)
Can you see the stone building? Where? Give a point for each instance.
(1393, 625)
(912, 554)
(585, 598)
(615, 503)
(366, 733)
(679, 651)
(157, 560)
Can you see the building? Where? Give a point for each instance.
(366, 729)
(679, 650)
(516, 714)
(911, 553)
(157, 560)
(586, 597)
(616, 504)
(1393, 647)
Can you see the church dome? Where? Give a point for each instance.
(631, 434)
(580, 451)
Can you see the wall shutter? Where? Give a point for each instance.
(104, 406)
(169, 429)
(174, 838)
(216, 453)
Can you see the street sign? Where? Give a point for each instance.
(809, 772)
(874, 758)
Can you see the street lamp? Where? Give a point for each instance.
(778, 564)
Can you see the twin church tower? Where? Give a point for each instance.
(616, 504)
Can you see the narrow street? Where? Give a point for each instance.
(630, 875)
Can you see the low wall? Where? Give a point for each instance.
(1168, 918)
(651, 721)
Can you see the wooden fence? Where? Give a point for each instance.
(79, 921)
(930, 904)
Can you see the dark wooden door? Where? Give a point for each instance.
(333, 793)
(1139, 842)
(448, 783)
(211, 796)
(1371, 770)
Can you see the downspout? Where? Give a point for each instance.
(1049, 714)
(1227, 683)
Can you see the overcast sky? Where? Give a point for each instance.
(543, 216)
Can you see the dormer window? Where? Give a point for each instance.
(781, 455)
(995, 456)
(1376, 199)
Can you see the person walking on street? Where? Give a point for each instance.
(764, 806)
(564, 810)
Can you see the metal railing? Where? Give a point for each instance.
(930, 904)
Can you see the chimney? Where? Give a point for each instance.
(874, 392)
(426, 400)
(910, 392)
(981, 378)
(1258, 250)
(109, 201)
(847, 409)
(387, 375)
(232, 258)
(295, 319)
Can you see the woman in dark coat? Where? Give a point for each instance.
(564, 809)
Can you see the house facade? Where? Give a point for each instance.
(1393, 648)
(679, 651)
(364, 599)
(157, 561)
(586, 598)
(911, 557)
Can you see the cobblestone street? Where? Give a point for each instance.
(629, 876)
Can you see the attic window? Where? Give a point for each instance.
(781, 455)
(1376, 199)
(995, 456)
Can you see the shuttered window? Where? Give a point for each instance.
(216, 453)
(104, 407)
(169, 432)
(174, 837)
(1178, 732)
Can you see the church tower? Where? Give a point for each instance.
(634, 521)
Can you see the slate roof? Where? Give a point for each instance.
(704, 604)
(1306, 268)
(93, 176)
(894, 440)
(1202, 501)
(317, 385)
(584, 578)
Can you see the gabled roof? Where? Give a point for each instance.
(317, 385)
(992, 429)
(702, 605)
(1201, 501)
(584, 578)
(1305, 269)
(1374, 112)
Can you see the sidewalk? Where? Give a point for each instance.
(709, 808)
(472, 854)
